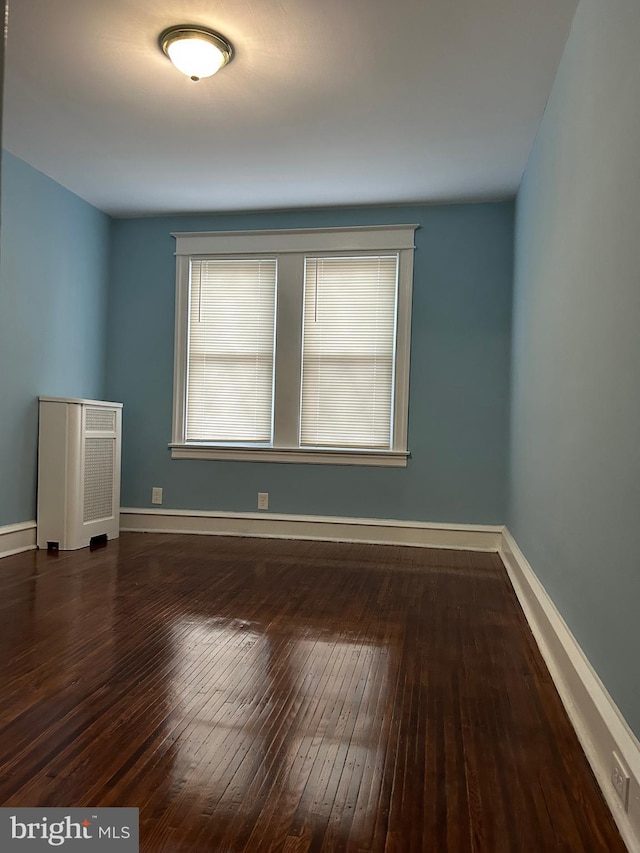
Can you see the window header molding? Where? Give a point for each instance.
(378, 238)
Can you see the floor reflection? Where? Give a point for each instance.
(269, 709)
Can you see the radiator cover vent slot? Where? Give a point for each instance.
(98, 478)
(100, 419)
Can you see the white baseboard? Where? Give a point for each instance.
(16, 538)
(600, 726)
(377, 531)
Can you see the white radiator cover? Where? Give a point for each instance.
(78, 471)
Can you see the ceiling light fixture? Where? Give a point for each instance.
(196, 51)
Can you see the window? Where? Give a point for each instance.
(293, 345)
(231, 348)
(348, 335)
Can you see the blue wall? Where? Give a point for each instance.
(458, 421)
(575, 461)
(53, 297)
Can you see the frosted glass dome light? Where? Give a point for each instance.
(196, 51)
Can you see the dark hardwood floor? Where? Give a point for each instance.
(262, 695)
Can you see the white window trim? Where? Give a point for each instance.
(290, 246)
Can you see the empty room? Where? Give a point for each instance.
(319, 407)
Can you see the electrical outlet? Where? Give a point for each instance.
(156, 495)
(620, 779)
(263, 500)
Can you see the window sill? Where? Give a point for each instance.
(380, 458)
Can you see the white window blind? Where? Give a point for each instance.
(231, 350)
(348, 355)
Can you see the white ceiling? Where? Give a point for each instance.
(326, 102)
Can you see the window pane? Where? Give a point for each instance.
(348, 351)
(231, 350)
